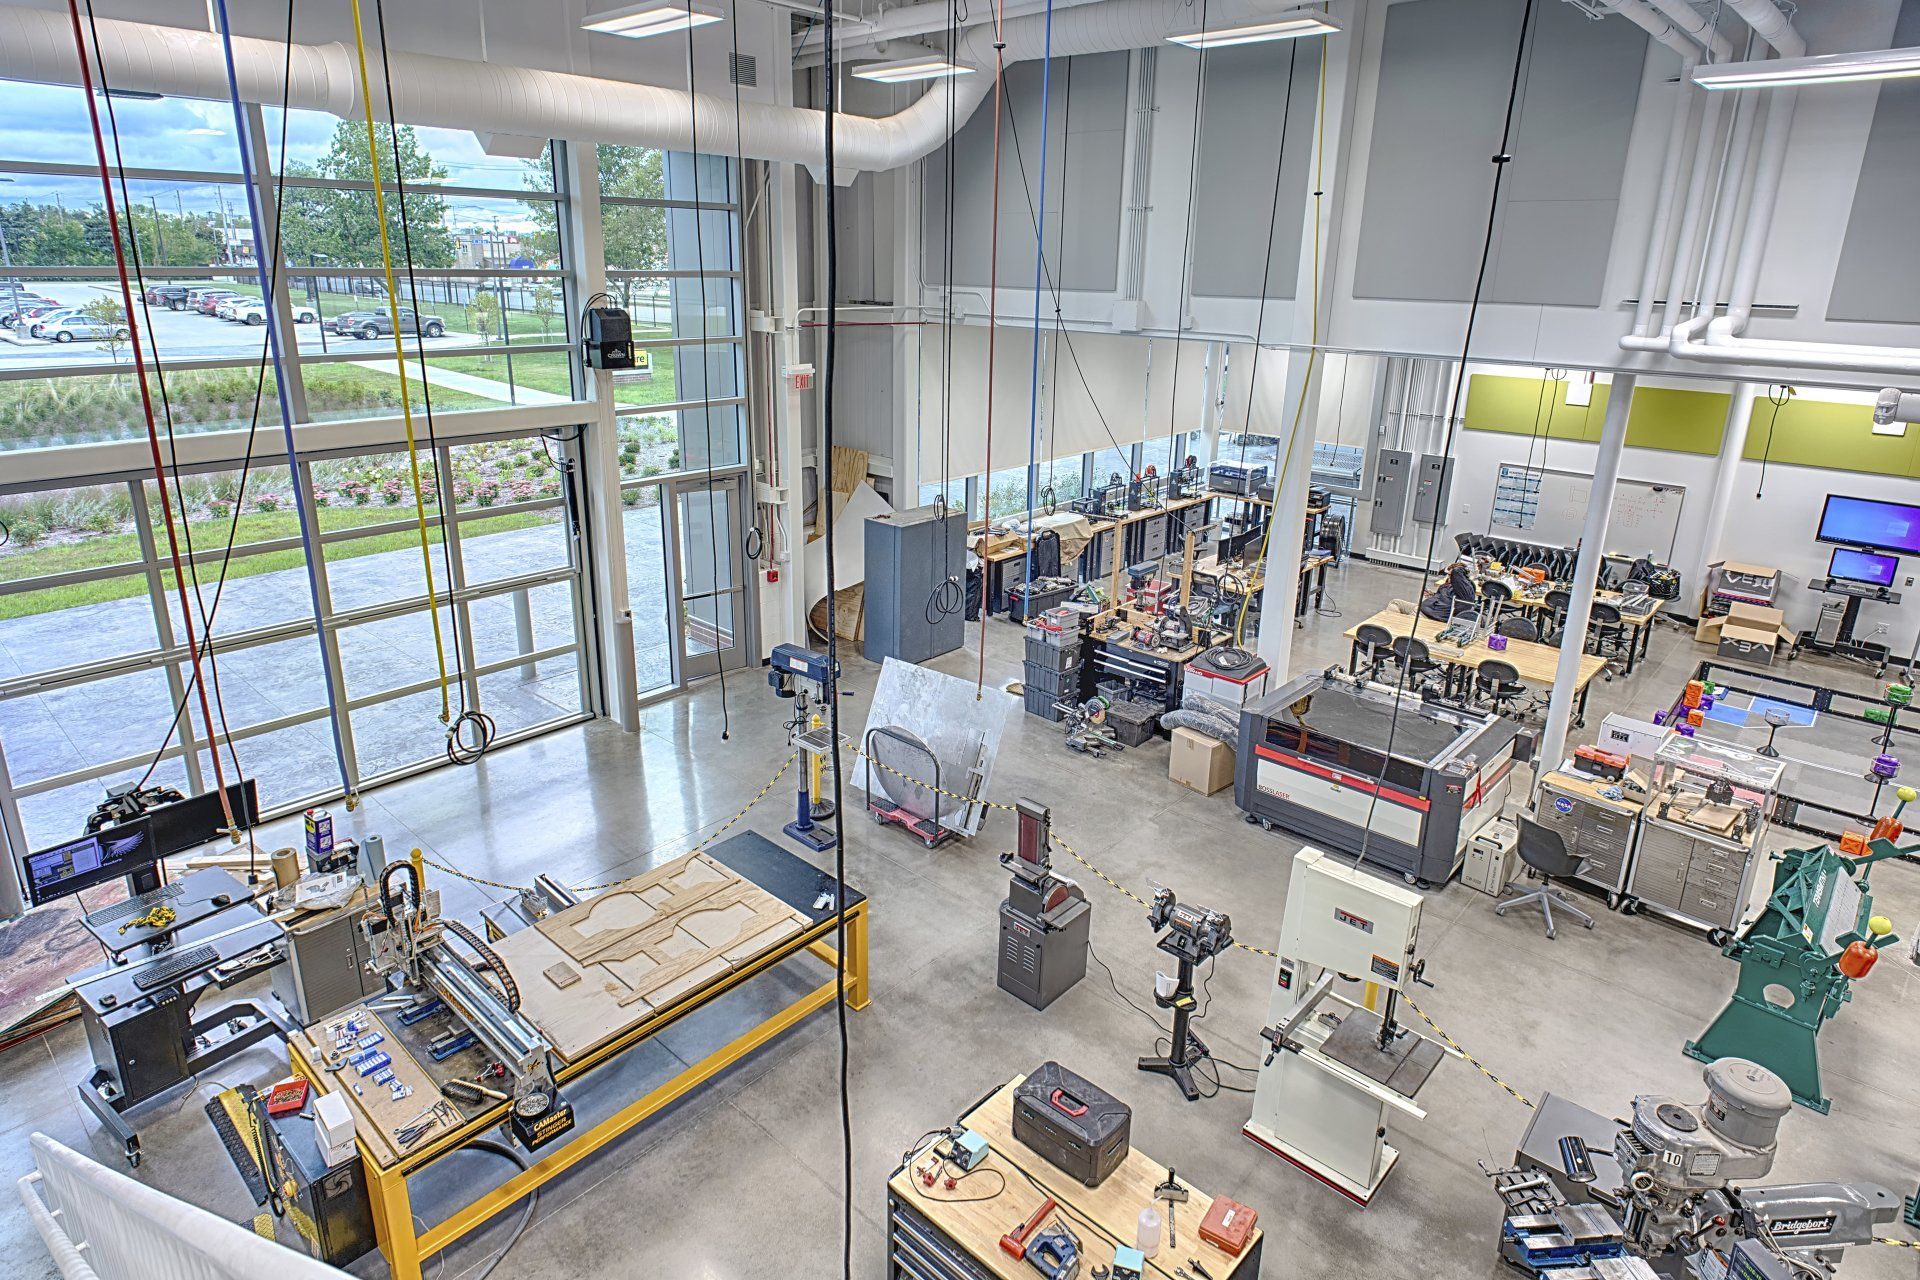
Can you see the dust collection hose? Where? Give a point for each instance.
(309, 543)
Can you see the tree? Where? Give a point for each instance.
(483, 315)
(546, 306)
(168, 240)
(635, 235)
(107, 313)
(341, 225)
(59, 240)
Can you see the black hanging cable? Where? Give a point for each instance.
(833, 665)
(949, 596)
(471, 718)
(755, 542)
(706, 368)
(1778, 402)
(208, 612)
(1186, 244)
(1266, 262)
(1500, 160)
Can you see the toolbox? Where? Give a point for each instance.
(1228, 1225)
(1077, 1126)
(1133, 721)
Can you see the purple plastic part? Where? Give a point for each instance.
(1659, 717)
(1885, 766)
(1496, 642)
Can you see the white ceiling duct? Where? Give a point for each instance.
(485, 97)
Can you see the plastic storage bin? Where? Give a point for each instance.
(1132, 721)
(1041, 703)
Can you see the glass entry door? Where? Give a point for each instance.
(707, 527)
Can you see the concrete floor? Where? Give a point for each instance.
(1597, 1015)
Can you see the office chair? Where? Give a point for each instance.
(1496, 592)
(1496, 683)
(1515, 627)
(1607, 634)
(1415, 660)
(1372, 649)
(1558, 602)
(1546, 856)
(1464, 541)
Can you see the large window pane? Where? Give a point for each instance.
(647, 586)
(38, 412)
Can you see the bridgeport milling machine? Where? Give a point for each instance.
(1654, 1196)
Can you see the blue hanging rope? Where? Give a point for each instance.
(310, 545)
(1039, 263)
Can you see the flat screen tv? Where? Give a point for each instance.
(1865, 522)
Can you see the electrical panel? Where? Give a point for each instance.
(1435, 483)
(1392, 490)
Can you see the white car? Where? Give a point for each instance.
(73, 324)
(254, 311)
(229, 308)
(39, 326)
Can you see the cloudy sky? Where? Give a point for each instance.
(46, 124)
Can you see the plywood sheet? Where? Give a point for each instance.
(377, 1114)
(639, 948)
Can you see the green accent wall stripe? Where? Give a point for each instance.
(1806, 433)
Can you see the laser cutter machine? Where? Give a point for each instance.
(1337, 1062)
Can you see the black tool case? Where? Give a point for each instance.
(1079, 1127)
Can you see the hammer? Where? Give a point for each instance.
(1014, 1243)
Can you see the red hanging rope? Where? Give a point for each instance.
(146, 404)
(993, 298)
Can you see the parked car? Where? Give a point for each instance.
(197, 294)
(12, 308)
(171, 296)
(70, 325)
(37, 324)
(226, 307)
(254, 311)
(375, 324)
(212, 298)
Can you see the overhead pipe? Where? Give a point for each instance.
(1697, 26)
(487, 97)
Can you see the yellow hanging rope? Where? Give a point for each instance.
(400, 357)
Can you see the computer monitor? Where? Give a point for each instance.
(86, 861)
(1868, 567)
(1867, 522)
(188, 824)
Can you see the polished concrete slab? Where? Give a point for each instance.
(742, 1178)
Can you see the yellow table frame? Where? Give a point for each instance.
(392, 1206)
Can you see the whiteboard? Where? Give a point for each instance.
(1542, 505)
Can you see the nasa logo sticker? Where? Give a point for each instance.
(1563, 804)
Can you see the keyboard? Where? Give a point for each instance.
(135, 906)
(178, 965)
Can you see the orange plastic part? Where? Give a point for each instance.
(1695, 691)
(1888, 828)
(1853, 844)
(1857, 959)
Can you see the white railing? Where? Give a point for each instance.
(98, 1224)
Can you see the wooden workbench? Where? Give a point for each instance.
(1538, 664)
(772, 869)
(1101, 1216)
(1638, 624)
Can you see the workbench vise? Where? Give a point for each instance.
(1055, 1253)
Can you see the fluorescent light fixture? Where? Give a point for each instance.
(1824, 68)
(1285, 27)
(654, 18)
(927, 67)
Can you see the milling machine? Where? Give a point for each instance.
(408, 941)
(1589, 1196)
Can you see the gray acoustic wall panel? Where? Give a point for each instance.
(1445, 70)
(1257, 119)
(1086, 159)
(1879, 275)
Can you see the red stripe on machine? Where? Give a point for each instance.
(1406, 799)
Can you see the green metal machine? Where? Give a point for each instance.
(1798, 961)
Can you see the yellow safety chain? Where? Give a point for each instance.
(1896, 1242)
(400, 355)
(1472, 1061)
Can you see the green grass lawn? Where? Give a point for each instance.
(211, 533)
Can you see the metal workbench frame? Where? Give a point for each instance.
(392, 1204)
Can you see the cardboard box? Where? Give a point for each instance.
(1199, 762)
(1753, 633)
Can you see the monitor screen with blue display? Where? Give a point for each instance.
(89, 860)
(1867, 567)
(1864, 522)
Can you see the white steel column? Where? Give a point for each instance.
(1286, 540)
(784, 611)
(579, 170)
(1733, 443)
(1586, 570)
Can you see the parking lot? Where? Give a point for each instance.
(189, 335)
